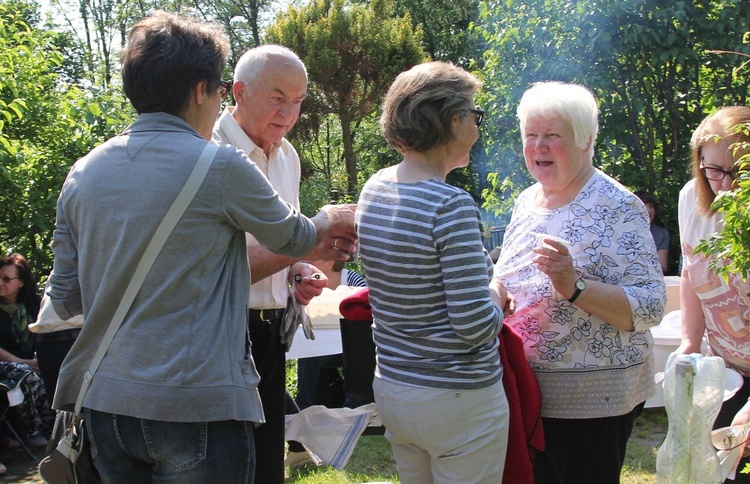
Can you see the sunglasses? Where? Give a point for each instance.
(479, 116)
(7, 279)
(225, 87)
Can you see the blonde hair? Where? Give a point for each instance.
(720, 125)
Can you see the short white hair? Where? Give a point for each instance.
(250, 65)
(573, 103)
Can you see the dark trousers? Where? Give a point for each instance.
(584, 451)
(51, 349)
(269, 357)
(728, 410)
(308, 377)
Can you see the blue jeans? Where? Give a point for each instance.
(128, 449)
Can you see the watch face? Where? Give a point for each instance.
(580, 284)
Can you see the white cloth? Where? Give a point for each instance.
(47, 321)
(329, 433)
(282, 169)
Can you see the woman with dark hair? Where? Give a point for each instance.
(175, 397)
(436, 310)
(659, 233)
(19, 302)
(711, 306)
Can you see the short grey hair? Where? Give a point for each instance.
(573, 103)
(419, 107)
(250, 65)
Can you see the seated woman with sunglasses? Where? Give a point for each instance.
(19, 304)
(710, 305)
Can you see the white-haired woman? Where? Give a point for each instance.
(580, 261)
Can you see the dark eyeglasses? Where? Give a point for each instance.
(717, 174)
(225, 87)
(479, 116)
(7, 279)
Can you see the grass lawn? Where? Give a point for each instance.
(372, 460)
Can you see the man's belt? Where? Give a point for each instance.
(266, 314)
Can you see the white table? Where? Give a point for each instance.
(327, 342)
(324, 314)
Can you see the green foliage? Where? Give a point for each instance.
(352, 53)
(648, 64)
(445, 25)
(45, 126)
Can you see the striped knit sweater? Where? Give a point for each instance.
(434, 323)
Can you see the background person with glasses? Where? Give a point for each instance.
(19, 306)
(711, 306)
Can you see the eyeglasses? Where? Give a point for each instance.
(7, 279)
(717, 174)
(479, 116)
(225, 87)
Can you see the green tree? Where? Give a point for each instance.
(446, 27)
(45, 125)
(646, 61)
(352, 53)
(242, 20)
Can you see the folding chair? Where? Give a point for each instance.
(5, 404)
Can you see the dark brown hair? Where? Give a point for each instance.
(27, 292)
(166, 56)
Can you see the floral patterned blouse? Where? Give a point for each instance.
(586, 367)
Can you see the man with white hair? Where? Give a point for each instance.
(270, 83)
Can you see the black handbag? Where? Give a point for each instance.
(71, 461)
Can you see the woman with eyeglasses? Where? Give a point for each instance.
(711, 306)
(19, 306)
(579, 259)
(436, 311)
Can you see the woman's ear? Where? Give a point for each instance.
(587, 148)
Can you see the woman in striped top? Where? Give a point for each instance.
(436, 312)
